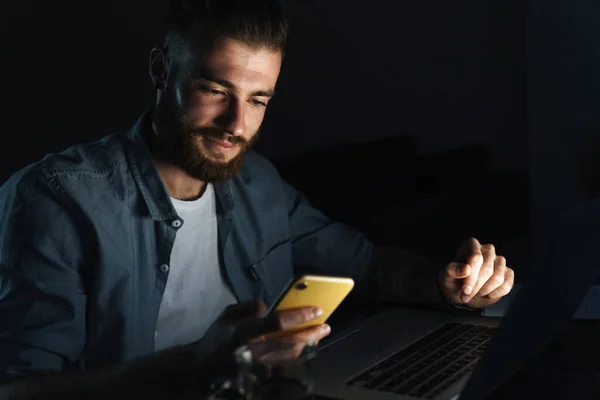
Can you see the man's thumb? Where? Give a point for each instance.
(458, 270)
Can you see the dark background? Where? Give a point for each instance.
(438, 119)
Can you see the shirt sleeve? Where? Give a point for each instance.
(42, 296)
(323, 246)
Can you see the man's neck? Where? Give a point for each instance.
(179, 185)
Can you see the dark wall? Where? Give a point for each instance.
(564, 98)
(72, 72)
(446, 73)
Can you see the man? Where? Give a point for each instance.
(118, 258)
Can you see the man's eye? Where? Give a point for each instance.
(258, 103)
(212, 92)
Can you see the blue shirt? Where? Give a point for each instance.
(85, 243)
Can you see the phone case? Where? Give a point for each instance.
(325, 292)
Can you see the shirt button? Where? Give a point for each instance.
(164, 268)
(176, 223)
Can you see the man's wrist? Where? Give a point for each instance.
(453, 307)
(462, 307)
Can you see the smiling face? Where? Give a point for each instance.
(212, 101)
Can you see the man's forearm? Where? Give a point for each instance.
(174, 373)
(400, 276)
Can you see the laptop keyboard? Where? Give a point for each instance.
(431, 365)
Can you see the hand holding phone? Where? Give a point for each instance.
(323, 292)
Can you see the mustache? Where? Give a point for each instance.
(219, 135)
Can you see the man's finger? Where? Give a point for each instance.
(466, 250)
(475, 260)
(283, 352)
(497, 278)
(486, 270)
(311, 335)
(506, 287)
(290, 318)
(262, 309)
(457, 270)
(255, 327)
(280, 343)
(282, 320)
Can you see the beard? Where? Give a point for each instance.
(175, 141)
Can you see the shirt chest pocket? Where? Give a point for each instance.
(272, 271)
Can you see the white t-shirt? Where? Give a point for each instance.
(196, 292)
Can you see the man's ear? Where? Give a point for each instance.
(159, 66)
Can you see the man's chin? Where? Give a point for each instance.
(219, 159)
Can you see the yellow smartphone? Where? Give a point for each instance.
(325, 292)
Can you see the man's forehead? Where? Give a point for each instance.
(202, 49)
(232, 57)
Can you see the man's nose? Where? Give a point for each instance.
(233, 118)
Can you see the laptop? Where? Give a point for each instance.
(402, 354)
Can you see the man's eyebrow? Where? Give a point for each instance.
(264, 93)
(202, 75)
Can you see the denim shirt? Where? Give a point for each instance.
(85, 242)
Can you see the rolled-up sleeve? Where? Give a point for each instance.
(42, 291)
(321, 245)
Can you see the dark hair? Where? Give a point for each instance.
(255, 23)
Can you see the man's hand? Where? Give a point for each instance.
(243, 323)
(182, 371)
(477, 277)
